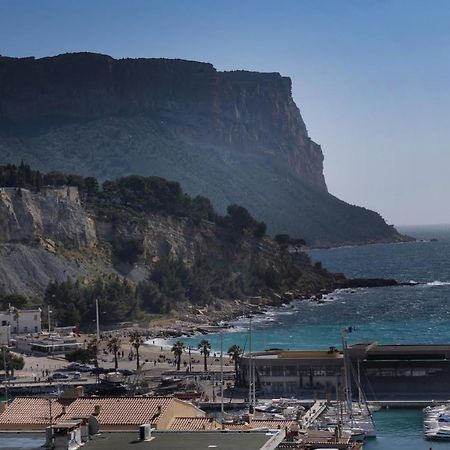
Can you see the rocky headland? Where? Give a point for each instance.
(234, 137)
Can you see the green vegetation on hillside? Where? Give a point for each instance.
(171, 286)
(237, 259)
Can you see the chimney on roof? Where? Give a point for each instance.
(97, 409)
(3, 406)
(64, 410)
(159, 410)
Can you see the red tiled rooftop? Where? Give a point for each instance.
(113, 410)
(193, 424)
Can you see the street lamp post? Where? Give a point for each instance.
(6, 376)
(250, 368)
(97, 319)
(49, 326)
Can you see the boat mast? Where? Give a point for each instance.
(348, 391)
(250, 367)
(221, 373)
(359, 386)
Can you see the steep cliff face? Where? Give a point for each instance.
(248, 111)
(235, 137)
(54, 214)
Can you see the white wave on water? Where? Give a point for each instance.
(438, 283)
(164, 343)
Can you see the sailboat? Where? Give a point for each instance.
(359, 415)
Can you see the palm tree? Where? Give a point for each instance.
(205, 350)
(235, 353)
(114, 345)
(136, 340)
(177, 350)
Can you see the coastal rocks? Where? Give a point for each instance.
(354, 283)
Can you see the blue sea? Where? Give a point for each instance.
(404, 314)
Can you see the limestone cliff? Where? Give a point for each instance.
(52, 235)
(235, 137)
(54, 213)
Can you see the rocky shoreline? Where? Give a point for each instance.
(204, 322)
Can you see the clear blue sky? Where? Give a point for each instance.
(371, 78)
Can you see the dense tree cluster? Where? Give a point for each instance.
(73, 302)
(171, 285)
(12, 300)
(24, 177)
(284, 241)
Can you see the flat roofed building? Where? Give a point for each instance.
(410, 372)
(47, 345)
(291, 373)
(173, 440)
(21, 321)
(112, 413)
(402, 371)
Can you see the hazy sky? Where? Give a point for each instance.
(371, 78)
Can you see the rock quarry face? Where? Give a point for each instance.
(234, 137)
(54, 214)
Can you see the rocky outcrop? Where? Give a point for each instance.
(53, 214)
(28, 269)
(234, 137)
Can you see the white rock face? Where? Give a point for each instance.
(53, 213)
(27, 269)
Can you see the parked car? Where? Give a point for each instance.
(60, 376)
(80, 367)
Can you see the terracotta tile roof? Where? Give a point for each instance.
(32, 411)
(193, 424)
(259, 423)
(113, 410)
(120, 410)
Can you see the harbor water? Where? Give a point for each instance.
(404, 314)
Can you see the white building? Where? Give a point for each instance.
(19, 321)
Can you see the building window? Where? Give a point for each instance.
(387, 372)
(35, 317)
(35, 329)
(291, 387)
(277, 371)
(290, 371)
(25, 329)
